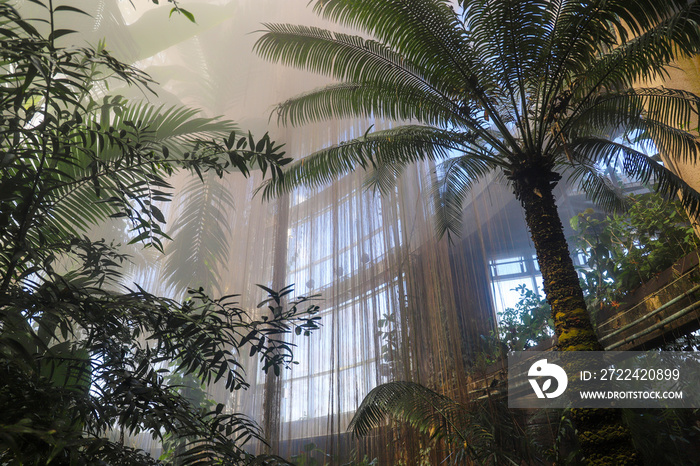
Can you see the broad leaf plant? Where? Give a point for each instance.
(85, 360)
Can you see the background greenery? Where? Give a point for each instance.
(84, 360)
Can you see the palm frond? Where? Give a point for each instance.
(641, 167)
(635, 17)
(383, 176)
(354, 60)
(676, 143)
(404, 144)
(344, 57)
(597, 51)
(674, 34)
(176, 127)
(200, 239)
(456, 177)
(599, 188)
(427, 33)
(667, 183)
(509, 37)
(99, 169)
(412, 403)
(662, 118)
(677, 108)
(371, 99)
(479, 433)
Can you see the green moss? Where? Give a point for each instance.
(574, 330)
(603, 438)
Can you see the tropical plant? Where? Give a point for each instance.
(620, 252)
(309, 456)
(201, 230)
(194, 390)
(80, 355)
(624, 251)
(666, 436)
(530, 90)
(199, 235)
(483, 432)
(526, 324)
(177, 9)
(488, 433)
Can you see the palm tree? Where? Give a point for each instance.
(528, 89)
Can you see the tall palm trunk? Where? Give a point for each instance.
(603, 438)
(533, 187)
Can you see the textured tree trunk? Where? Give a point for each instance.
(603, 438)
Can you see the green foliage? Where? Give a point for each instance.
(176, 9)
(81, 355)
(483, 432)
(528, 323)
(127, 386)
(191, 388)
(200, 235)
(623, 251)
(520, 88)
(69, 161)
(389, 336)
(519, 328)
(309, 456)
(668, 436)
